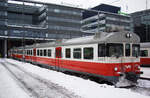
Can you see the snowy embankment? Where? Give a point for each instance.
(8, 86)
(81, 87)
(146, 71)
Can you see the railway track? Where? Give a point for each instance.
(36, 86)
(143, 87)
(47, 88)
(141, 90)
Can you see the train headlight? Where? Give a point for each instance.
(128, 35)
(115, 69)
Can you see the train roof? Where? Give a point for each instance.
(102, 37)
(145, 45)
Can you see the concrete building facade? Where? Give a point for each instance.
(105, 19)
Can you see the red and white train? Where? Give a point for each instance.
(145, 54)
(110, 56)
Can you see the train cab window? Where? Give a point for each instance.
(49, 53)
(45, 52)
(88, 53)
(135, 50)
(144, 53)
(127, 49)
(77, 53)
(38, 52)
(68, 53)
(114, 50)
(101, 50)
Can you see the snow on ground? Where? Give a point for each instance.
(144, 83)
(81, 87)
(146, 71)
(8, 86)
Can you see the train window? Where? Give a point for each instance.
(45, 52)
(101, 50)
(30, 52)
(144, 53)
(41, 52)
(49, 53)
(127, 50)
(114, 50)
(77, 53)
(68, 53)
(135, 50)
(38, 52)
(88, 53)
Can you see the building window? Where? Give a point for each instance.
(77, 53)
(49, 53)
(68, 53)
(88, 53)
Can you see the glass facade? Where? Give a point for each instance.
(141, 24)
(33, 20)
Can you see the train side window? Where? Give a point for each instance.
(31, 52)
(101, 50)
(41, 52)
(28, 52)
(38, 52)
(144, 53)
(77, 53)
(127, 50)
(49, 53)
(45, 52)
(68, 53)
(88, 53)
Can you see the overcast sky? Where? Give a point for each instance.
(127, 6)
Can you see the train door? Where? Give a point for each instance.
(135, 55)
(34, 54)
(58, 55)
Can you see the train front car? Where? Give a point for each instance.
(112, 57)
(121, 57)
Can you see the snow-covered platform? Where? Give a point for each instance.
(80, 87)
(146, 72)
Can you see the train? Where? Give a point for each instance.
(145, 54)
(109, 56)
